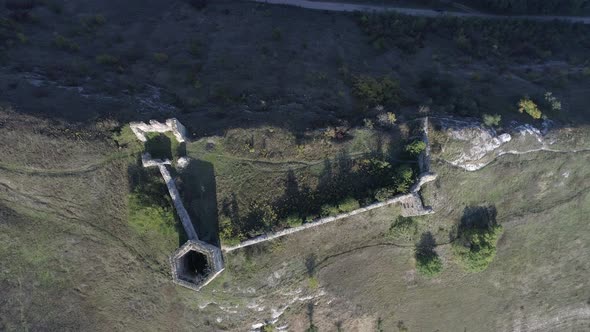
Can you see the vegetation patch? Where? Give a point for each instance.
(404, 228)
(526, 105)
(481, 38)
(150, 210)
(492, 120)
(475, 246)
(533, 6)
(268, 180)
(428, 263)
(372, 91)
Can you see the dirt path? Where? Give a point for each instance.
(65, 171)
(353, 7)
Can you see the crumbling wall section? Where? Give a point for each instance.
(140, 129)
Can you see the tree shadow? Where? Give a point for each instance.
(335, 193)
(199, 193)
(478, 217)
(426, 245)
(147, 185)
(310, 264)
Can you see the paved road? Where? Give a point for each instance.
(352, 7)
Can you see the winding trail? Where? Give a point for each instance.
(477, 167)
(65, 171)
(354, 7)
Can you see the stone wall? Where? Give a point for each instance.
(214, 258)
(148, 161)
(411, 203)
(213, 253)
(171, 125)
(191, 233)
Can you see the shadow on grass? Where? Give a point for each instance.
(199, 193)
(148, 187)
(478, 217)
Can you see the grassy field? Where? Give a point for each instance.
(265, 92)
(78, 236)
(263, 171)
(362, 278)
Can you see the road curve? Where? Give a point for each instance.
(353, 7)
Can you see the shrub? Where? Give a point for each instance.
(403, 227)
(160, 57)
(428, 264)
(268, 328)
(527, 106)
(476, 37)
(404, 176)
(65, 44)
(195, 48)
(107, 59)
(312, 328)
(416, 147)
(476, 247)
(336, 133)
(492, 120)
(198, 4)
(294, 220)
(21, 38)
(427, 261)
(371, 91)
(94, 21)
(553, 102)
(387, 119)
(383, 194)
(276, 34)
(349, 204)
(329, 210)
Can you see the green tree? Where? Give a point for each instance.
(268, 328)
(428, 262)
(376, 91)
(478, 234)
(416, 147)
(404, 175)
(529, 107)
(403, 227)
